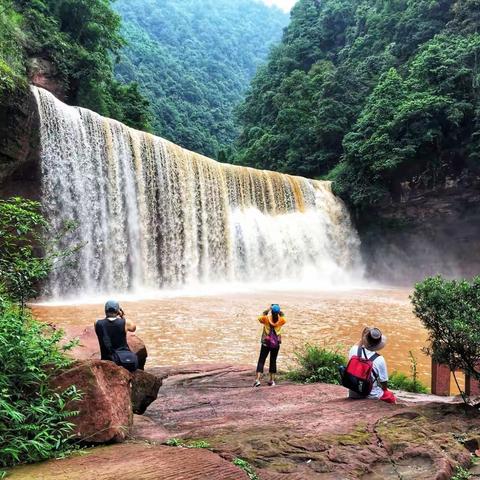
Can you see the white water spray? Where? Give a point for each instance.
(153, 215)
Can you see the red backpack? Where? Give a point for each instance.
(357, 376)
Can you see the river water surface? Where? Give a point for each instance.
(223, 327)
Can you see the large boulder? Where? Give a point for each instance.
(145, 388)
(88, 348)
(105, 409)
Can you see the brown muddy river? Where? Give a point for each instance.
(224, 328)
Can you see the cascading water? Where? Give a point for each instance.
(153, 215)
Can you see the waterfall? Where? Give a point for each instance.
(152, 215)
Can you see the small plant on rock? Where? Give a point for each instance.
(461, 474)
(178, 442)
(247, 468)
(174, 442)
(198, 444)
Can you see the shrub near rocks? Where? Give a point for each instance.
(317, 364)
(450, 310)
(34, 421)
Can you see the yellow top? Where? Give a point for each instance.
(268, 322)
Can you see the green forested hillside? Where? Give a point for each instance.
(79, 40)
(194, 59)
(370, 94)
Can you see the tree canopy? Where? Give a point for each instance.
(194, 60)
(81, 39)
(369, 94)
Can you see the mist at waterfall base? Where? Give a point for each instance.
(157, 220)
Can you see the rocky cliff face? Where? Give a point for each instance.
(426, 233)
(19, 145)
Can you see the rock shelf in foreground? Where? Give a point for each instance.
(289, 432)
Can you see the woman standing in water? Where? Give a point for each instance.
(272, 320)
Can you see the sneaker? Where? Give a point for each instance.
(257, 383)
(271, 383)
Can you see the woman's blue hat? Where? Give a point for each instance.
(275, 308)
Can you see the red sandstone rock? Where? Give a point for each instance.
(145, 388)
(105, 410)
(307, 431)
(132, 461)
(88, 347)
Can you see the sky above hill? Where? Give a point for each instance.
(285, 5)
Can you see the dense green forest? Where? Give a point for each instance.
(194, 60)
(369, 94)
(80, 40)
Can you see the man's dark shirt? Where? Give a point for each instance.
(116, 332)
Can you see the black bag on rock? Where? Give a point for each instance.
(126, 359)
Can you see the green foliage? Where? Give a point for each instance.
(400, 381)
(80, 39)
(26, 258)
(369, 94)
(450, 311)
(193, 59)
(177, 442)
(174, 442)
(34, 419)
(317, 364)
(247, 468)
(198, 444)
(11, 54)
(461, 474)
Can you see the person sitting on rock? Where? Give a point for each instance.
(112, 336)
(272, 320)
(366, 350)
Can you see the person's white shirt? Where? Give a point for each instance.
(380, 368)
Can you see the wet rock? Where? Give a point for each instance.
(145, 388)
(133, 461)
(105, 409)
(43, 73)
(88, 347)
(19, 145)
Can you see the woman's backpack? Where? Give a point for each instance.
(357, 375)
(271, 340)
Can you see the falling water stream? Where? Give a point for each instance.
(152, 215)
